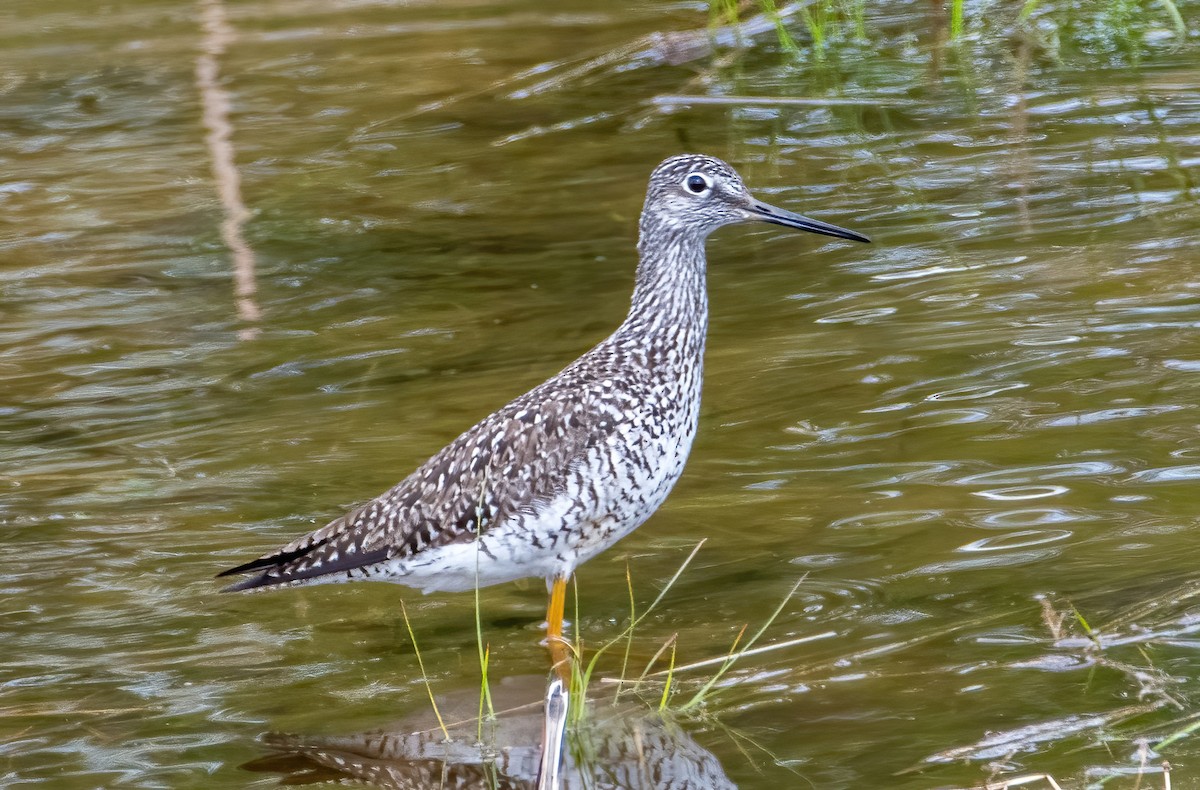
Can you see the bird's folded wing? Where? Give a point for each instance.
(515, 458)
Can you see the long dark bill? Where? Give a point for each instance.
(777, 216)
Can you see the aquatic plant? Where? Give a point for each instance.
(1086, 30)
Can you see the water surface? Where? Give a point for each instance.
(986, 417)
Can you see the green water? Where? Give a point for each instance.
(990, 408)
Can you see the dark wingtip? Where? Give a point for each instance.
(254, 582)
(246, 567)
(260, 580)
(277, 571)
(276, 560)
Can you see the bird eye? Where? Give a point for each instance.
(697, 183)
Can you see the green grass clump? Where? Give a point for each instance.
(1083, 30)
(582, 674)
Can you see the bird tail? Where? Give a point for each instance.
(320, 561)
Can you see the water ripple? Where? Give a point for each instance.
(999, 560)
(1107, 415)
(976, 391)
(1032, 517)
(1017, 493)
(1036, 474)
(880, 528)
(1017, 540)
(863, 316)
(1170, 474)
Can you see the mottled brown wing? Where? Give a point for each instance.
(513, 459)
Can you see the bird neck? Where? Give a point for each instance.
(669, 295)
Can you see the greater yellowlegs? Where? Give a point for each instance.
(578, 462)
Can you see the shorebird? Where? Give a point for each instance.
(566, 470)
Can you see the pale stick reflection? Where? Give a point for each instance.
(216, 108)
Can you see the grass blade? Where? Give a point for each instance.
(627, 633)
(700, 695)
(485, 651)
(424, 677)
(662, 703)
(1176, 18)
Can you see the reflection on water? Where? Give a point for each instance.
(992, 407)
(617, 746)
(218, 35)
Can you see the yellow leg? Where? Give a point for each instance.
(559, 654)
